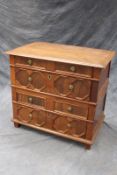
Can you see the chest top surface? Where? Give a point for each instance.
(65, 53)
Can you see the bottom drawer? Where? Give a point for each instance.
(47, 120)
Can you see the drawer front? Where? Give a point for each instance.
(72, 87)
(63, 86)
(31, 99)
(65, 125)
(30, 79)
(71, 108)
(76, 69)
(30, 62)
(29, 115)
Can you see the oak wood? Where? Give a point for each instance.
(65, 53)
(60, 89)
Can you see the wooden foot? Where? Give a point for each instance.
(17, 125)
(88, 147)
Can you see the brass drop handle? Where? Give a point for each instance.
(30, 99)
(72, 68)
(71, 87)
(69, 109)
(29, 79)
(30, 116)
(30, 62)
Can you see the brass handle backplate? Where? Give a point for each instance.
(71, 87)
(30, 99)
(72, 68)
(29, 79)
(30, 62)
(69, 109)
(30, 116)
(69, 125)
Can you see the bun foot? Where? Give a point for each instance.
(88, 147)
(17, 125)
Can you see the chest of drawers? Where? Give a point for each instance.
(60, 89)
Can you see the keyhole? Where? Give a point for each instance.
(49, 77)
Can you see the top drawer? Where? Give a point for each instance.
(71, 68)
(30, 62)
(58, 67)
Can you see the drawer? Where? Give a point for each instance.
(71, 68)
(78, 109)
(31, 99)
(65, 125)
(60, 85)
(30, 62)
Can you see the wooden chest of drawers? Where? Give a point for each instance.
(60, 89)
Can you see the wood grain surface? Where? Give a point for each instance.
(65, 53)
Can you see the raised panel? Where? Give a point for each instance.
(29, 115)
(24, 114)
(30, 79)
(70, 126)
(72, 87)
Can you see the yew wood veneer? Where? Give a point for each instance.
(60, 89)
